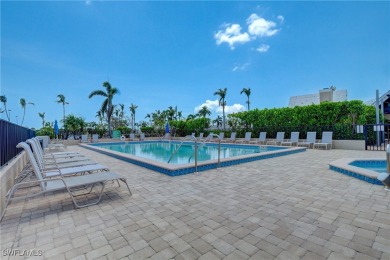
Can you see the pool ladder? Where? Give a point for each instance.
(196, 149)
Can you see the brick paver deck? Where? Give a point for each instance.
(290, 207)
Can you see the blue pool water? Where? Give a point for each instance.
(154, 155)
(377, 166)
(162, 151)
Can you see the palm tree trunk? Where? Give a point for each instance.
(223, 113)
(24, 112)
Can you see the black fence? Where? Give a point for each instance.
(10, 136)
(377, 136)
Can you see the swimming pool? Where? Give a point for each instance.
(156, 154)
(366, 170)
(177, 153)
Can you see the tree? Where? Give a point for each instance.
(107, 106)
(132, 111)
(23, 104)
(122, 113)
(75, 124)
(222, 95)
(218, 121)
(204, 111)
(100, 115)
(247, 92)
(191, 117)
(42, 116)
(61, 100)
(179, 115)
(3, 99)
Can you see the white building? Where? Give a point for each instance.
(326, 94)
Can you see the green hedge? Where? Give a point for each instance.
(339, 117)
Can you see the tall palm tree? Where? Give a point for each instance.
(190, 117)
(3, 99)
(61, 100)
(132, 110)
(42, 116)
(23, 104)
(247, 92)
(222, 95)
(107, 106)
(122, 113)
(218, 121)
(179, 114)
(100, 115)
(204, 111)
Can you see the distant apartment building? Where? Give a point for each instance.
(326, 94)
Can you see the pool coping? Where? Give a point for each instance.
(343, 166)
(176, 170)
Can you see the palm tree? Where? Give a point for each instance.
(204, 111)
(222, 95)
(122, 113)
(191, 116)
(23, 104)
(179, 115)
(100, 115)
(218, 121)
(3, 99)
(42, 115)
(107, 106)
(132, 110)
(247, 92)
(171, 113)
(61, 99)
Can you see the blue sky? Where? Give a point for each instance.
(161, 54)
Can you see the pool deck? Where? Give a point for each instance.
(289, 207)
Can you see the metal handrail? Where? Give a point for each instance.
(174, 152)
(196, 149)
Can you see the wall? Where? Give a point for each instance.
(349, 144)
(8, 174)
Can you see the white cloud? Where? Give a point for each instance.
(263, 48)
(231, 35)
(210, 104)
(214, 107)
(259, 27)
(240, 66)
(88, 2)
(231, 109)
(280, 18)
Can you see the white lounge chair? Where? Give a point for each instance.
(247, 139)
(56, 154)
(200, 137)
(54, 170)
(221, 136)
(325, 141)
(208, 138)
(231, 139)
(52, 162)
(261, 140)
(84, 138)
(132, 137)
(293, 139)
(66, 157)
(95, 138)
(310, 140)
(278, 140)
(69, 184)
(142, 137)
